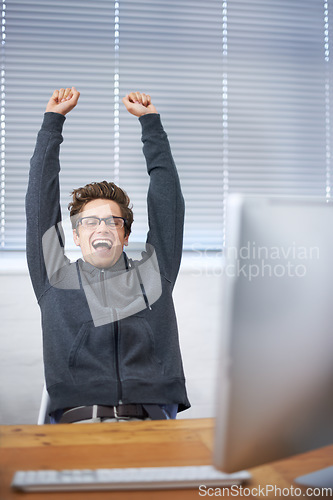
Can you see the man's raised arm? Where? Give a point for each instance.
(42, 198)
(165, 201)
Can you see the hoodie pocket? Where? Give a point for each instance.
(137, 354)
(91, 357)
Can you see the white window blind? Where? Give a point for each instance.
(174, 49)
(277, 110)
(278, 77)
(244, 90)
(50, 45)
(107, 49)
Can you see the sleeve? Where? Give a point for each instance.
(165, 201)
(43, 213)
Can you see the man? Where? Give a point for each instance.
(110, 339)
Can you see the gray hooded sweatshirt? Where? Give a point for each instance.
(109, 335)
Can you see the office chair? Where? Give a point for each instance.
(43, 416)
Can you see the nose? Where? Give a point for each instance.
(102, 227)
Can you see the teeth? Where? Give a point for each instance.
(102, 242)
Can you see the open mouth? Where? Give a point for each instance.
(102, 244)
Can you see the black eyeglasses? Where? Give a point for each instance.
(93, 222)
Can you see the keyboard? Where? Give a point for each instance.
(143, 478)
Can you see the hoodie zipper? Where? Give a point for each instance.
(116, 340)
(103, 288)
(114, 327)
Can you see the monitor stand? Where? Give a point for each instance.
(322, 478)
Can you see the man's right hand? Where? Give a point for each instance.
(63, 101)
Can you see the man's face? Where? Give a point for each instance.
(102, 245)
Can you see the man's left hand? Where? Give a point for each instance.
(139, 104)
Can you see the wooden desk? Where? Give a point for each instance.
(130, 444)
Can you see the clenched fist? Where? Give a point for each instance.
(63, 101)
(139, 104)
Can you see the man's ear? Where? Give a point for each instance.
(126, 240)
(76, 237)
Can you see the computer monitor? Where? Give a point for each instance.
(275, 382)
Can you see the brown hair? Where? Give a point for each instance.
(104, 190)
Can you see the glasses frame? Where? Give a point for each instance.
(100, 219)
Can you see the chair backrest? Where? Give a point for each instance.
(43, 416)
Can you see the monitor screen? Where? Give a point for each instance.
(275, 380)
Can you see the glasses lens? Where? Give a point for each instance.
(116, 222)
(90, 222)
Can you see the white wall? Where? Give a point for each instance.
(197, 299)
